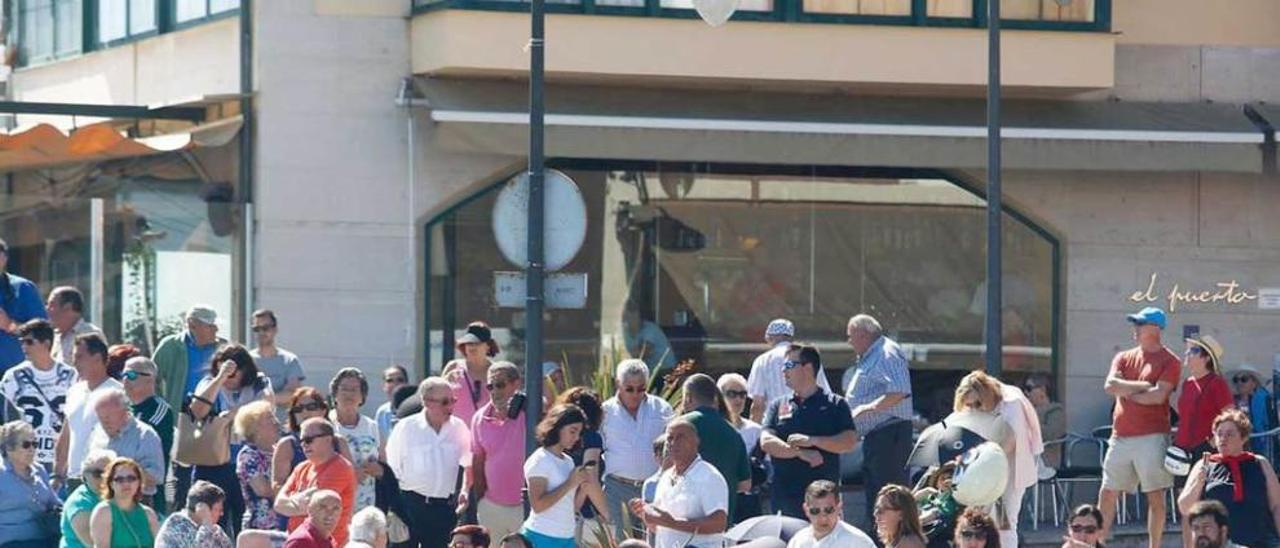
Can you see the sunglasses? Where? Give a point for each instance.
(395, 380)
(263, 328)
(132, 375)
(308, 440)
(972, 534)
(27, 444)
(500, 385)
(27, 341)
(735, 394)
(815, 512)
(1195, 351)
(632, 389)
(313, 406)
(94, 472)
(124, 479)
(1241, 379)
(791, 364)
(444, 401)
(1086, 529)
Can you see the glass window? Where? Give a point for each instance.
(219, 6)
(693, 266)
(1047, 10)
(119, 19)
(743, 5)
(48, 29)
(188, 10)
(859, 7)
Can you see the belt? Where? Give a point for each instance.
(626, 481)
(449, 500)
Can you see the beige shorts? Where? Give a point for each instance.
(1136, 461)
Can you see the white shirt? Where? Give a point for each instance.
(628, 441)
(41, 398)
(700, 492)
(766, 379)
(81, 419)
(1020, 415)
(557, 521)
(750, 431)
(426, 461)
(843, 536)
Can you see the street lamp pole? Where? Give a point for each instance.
(534, 267)
(994, 348)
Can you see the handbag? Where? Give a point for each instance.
(204, 442)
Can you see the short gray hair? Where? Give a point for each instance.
(507, 369)
(432, 383)
(368, 524)
(97, 458)
(12, 432)
(630, 368)
(727, 378)
(864, 322)
(142, 363)
(109, 394)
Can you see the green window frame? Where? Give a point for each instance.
(50, 30)
(791, 11)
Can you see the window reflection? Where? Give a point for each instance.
(694, 265)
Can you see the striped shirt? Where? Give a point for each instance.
(766, 380)
(881, 370)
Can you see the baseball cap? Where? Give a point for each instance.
(780, 327)
(202, 313)
(1149, 315)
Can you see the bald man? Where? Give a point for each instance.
(703, 513)
(324, 511)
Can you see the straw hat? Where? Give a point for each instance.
(1211, 346)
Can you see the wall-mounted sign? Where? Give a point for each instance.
(1269, 299)
(1229, 293)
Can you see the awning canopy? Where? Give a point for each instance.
(840, 129)
(44, 146)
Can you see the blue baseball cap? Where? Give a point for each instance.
(1149, 315)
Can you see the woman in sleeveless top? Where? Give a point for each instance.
(121, 520)
(1243, 482)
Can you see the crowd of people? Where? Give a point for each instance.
(206, 442)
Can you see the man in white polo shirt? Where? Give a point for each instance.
(765, 382)
(825, 509)
(691, 507)
(429, 453)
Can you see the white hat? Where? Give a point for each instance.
(203, 313)
(780, 327)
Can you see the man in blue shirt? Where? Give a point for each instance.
(805, 433)
(880, 397)
(19, 302)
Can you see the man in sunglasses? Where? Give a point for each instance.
(323, 469)
(36, 390)
(430, 453)
(806, 433)
(825, 510)
(139, 378)
(281, 365)
(497, 447)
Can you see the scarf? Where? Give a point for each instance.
(1237, 476)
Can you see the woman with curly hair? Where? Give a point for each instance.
(976, 529)
(1244, 482)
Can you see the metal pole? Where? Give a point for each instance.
(533, 271)
(239, 314)
(993, 329)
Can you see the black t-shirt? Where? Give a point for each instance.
(821, 414)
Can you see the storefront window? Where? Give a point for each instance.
(706, 260)
(164, 224)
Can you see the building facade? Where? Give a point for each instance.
(810, 159)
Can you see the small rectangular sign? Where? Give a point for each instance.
(1269, 298)
(561, 289)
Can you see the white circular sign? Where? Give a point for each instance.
(564, 220)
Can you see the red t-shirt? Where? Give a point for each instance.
(1131, 418)
(1200, 402)
(335, 474)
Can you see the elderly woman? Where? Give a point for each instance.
(117, 355)
(368, 529)
(197, 524)
(1051, 414)
(256, 424)
(1203, 397)
(733, 387)
(350, 390)
(233, 380)
(81, 502)
(1243, 482)
(121, 520)
(1253, 398)
(898, 518)
(28, 506)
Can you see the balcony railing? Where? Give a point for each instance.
(1066, 15)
